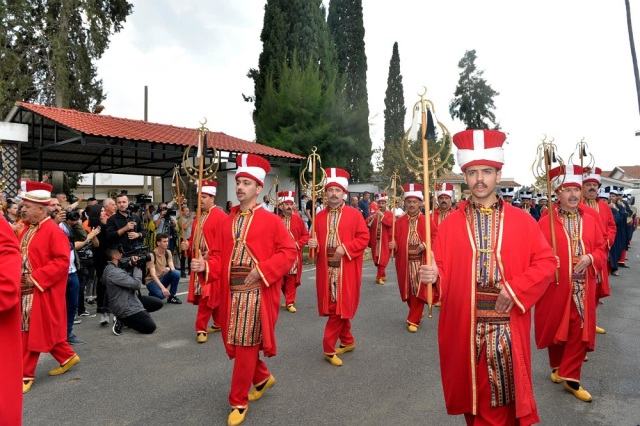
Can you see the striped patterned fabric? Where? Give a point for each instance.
(495, 340)
(572, 222)
(26, 288)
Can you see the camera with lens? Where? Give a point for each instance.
(142, 253)
(72, 215)
(143, 199)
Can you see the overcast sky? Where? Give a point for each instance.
(562, 68)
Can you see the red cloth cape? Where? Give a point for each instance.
(552, 310)
(402, 255)
(527, 263)
(609, 226)
(273, 253)
(354, 236)
(10, 335)
(381, 258)
(209, 230)
(300, 236)
(48, 254)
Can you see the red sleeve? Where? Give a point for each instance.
(356, 246)
(10, 261)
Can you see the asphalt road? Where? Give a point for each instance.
(391, 378)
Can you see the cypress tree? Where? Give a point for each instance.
(346, 28)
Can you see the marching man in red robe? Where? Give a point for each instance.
(202, 288)
(45, 266)
(590, 185)
(299, 234)
(251, 255)
(341, 238)
(381, 223)
(410, 245)
(494, 264)
(11, 354)
(444, 196)
(565, 315)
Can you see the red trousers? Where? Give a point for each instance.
(486, 415)
(623, 256)
(568, 357)
(248, 369)
(62, 352)
(382, 272)
(416, 308)
(202, 317)
(289, 289)
(336, 328)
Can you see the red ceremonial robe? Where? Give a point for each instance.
(552, 310)
(273, 253)
(402, 255)
(300, 235)
(48, 254)
(209, 229)
(526, 264)
(381, 258)
(435, 216)
(609, 225)
(353, 235)
(10, 336)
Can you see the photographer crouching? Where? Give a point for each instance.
(123, 290)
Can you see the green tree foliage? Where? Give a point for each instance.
(302, 112)
(48, 50)
(288, 26)
(473, 101)
(346, 28)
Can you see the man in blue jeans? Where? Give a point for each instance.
(162, 276)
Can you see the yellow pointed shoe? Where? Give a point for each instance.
(412, 328)
(554, 377)
(384, 278)
(581, 393)
(213, 329)
(236, 417)
(291, 309)
(600, 330)
(333, 360)
(380, 281)
(26, 385)
(201, 338)
(256, 394)
(283, 305)
(67, 365)
(344, 349)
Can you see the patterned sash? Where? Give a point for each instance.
(379, 237)
(287, 224)
(572, 223)
(245, 327)
(202, 244)
(493, 331)
(332, 243)
(414, 258)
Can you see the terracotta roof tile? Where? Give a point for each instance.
(632, 172)
(124, 128)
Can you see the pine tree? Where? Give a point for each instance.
(346, 28)
(473, 101)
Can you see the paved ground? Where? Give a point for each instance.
(391, 378)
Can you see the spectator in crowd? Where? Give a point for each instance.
(165, 224)
(364, 205)
(187, 225)
(124, 229)
(161, 272)
(227, 209)
(98, 219)
(13, 217)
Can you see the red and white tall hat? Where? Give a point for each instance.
(592, 175)
(209, 187)
(566, 176)
(413, 190)
(382, 197)
(480, 147)
(337, 177)
(286, 197)
(253, 167)
(36, 192)
(444, 189)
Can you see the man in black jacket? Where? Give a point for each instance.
(123, 229)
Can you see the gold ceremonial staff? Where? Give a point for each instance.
(394, 190)
(273, 197)
(581, 151)
(545, 157)
(426, 117)
(313, 163)
(180, 199)
(203, 166)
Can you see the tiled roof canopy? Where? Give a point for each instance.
(70, 140)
